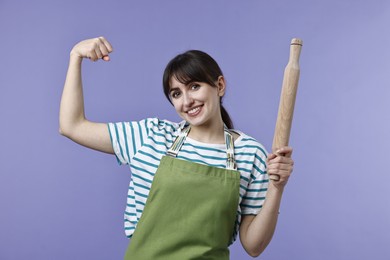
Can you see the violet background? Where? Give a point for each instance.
(62, 201)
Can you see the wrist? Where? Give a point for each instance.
(273, 199)
(75, 56)
(275, 189)
(75, 60)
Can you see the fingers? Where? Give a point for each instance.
(106, 44)
(280, 168)
(105, 48)
(271, 156)
(92, 55)
(93, 49)
(280, 165)
(279, 179)
(274, 177)
(281, 172)
(280, 160)
(98, 52)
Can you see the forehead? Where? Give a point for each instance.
(175, 83)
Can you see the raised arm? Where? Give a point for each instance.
(73, 123)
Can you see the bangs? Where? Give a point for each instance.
(187, 71)
(182, 76)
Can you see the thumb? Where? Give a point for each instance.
(271, 156)
(106, 58)
(284, 151)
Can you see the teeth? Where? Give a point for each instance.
(194, 110)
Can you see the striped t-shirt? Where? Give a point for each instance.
(141, 145)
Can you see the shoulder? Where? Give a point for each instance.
(248, 143)
(162, 128)
(158, 124)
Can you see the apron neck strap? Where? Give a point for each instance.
(179, 141)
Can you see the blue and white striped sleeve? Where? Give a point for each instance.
(128, 137)
(254, 198)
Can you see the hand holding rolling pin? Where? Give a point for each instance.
(279, 163)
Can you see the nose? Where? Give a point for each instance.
(187, 99)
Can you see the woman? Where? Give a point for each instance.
(197, 183)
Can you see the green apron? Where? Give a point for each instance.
(191, 209)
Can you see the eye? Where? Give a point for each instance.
(175, 94)
(195, 86)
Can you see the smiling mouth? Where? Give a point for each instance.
(195, 111)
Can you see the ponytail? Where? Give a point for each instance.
(226, 118)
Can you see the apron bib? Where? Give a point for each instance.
(191, 209)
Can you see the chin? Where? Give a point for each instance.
(197, 122)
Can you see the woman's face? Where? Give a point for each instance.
(197, 103)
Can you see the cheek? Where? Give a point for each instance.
(215, 100)
(212, 96)
(176, 105)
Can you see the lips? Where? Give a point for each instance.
(195, 111)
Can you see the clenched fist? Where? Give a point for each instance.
(93, 49)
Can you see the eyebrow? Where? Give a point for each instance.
(188, 84)
(173, 89)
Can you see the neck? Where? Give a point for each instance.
(212, 133)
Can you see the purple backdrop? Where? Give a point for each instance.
(62, 201)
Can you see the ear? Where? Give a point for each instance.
(221, 85)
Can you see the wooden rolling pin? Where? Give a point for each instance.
(287, 100)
